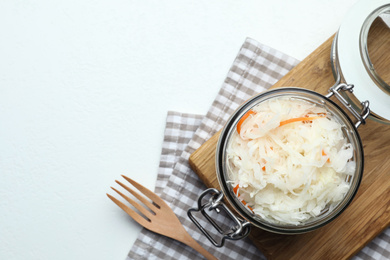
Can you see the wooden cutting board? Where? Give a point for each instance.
(369, 212)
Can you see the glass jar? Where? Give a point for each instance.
(349, 131)
(246, 217)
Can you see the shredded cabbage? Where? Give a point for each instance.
(289, 173)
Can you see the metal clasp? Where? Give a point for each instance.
(349, 87)
(240, 230)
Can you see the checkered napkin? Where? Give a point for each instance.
(255, 69)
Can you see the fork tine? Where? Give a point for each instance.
(138, 196)
(151, 195)
(130, 212)
(146, 213)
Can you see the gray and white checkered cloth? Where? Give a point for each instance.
(255, 69)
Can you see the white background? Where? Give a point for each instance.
(84, 91)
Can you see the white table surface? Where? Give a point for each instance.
(84, 91)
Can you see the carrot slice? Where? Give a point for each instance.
(235, 190)
(243, 118)
(324, 154)
(238, 194)
(243, 202)
(298, 119)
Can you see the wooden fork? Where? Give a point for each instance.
(160, 219)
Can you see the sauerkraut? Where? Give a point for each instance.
(289, 160)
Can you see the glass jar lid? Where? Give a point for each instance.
(375, 46)
(359, 54)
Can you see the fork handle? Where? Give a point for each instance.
(189, 241)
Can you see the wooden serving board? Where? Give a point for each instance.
(369, 212)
